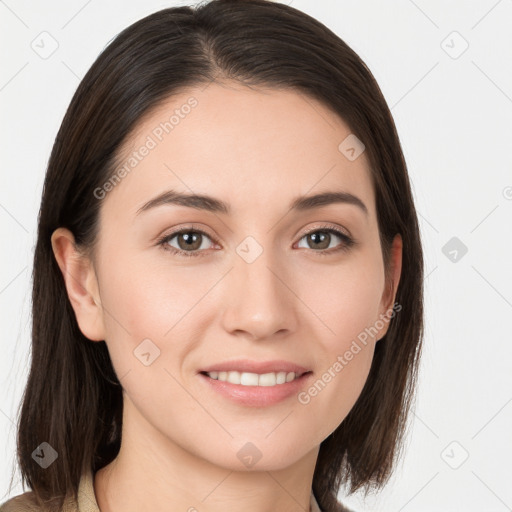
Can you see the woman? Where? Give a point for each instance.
(227, 300)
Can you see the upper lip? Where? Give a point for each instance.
(245, 365)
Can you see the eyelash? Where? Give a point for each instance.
(347, 242)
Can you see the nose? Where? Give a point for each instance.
(259, 299)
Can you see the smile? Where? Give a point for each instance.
(254, 379)
(253, 389)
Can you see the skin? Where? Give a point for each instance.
(257, 150)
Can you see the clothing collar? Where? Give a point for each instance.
(87, 499)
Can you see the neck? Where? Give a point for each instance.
(152, 472)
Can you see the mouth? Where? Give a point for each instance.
(269, 379)
(250, 389)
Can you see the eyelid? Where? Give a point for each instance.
(347, 240)
(183, 229)
(197, 227)
(325, 225)
(187, 227)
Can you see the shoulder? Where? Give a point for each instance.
(339, 507)
(22, 503)
(333, 504)
(26, 502)
(86, 501)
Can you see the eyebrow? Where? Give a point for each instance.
(212, 204)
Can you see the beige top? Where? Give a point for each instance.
(86, 500)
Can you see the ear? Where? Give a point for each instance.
(388, 297)
(81, 284)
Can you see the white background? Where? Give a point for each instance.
(454, 118)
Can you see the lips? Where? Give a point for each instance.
(256, 396)
(259, 367)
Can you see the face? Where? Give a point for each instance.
(187, 287)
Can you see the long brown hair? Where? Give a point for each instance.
(73, 399)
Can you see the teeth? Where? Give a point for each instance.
(254, 379)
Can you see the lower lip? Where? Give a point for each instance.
(257, 396)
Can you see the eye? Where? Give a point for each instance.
(322, 237)
(189, 242)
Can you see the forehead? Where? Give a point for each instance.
(253, 147)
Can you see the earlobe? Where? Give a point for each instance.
(81, 284)
(388, 298)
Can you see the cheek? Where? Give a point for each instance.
(146, 309)
(346, 299)
(148, 298)
(152, 300)
(353, 311)
(336, 388)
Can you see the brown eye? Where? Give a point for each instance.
(189, 242)
(320, 239)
